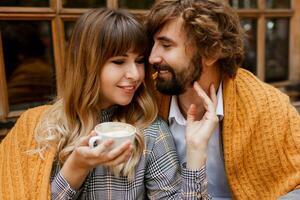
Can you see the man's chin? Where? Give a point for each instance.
(169, 89)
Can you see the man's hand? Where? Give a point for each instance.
(199, 132)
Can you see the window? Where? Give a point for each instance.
(272, 42)
(33, 36)
(40, 29)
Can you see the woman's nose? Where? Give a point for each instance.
(133, 72)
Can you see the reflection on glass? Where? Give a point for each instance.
(135, 4)
(250, 41)
(26, 3)
(5, 126)
(293, 90)
(277, 41)
(28, 59)
(243, 3)
(278, 4)
(68, 26)
(83, 4)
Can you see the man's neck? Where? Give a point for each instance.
(190, 96)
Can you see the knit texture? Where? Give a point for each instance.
(261, 138)
(24, 176)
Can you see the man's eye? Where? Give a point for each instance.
(118, 62)
(166, 45)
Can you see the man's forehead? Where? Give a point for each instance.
(172, 30)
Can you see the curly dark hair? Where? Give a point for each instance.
(212, 25)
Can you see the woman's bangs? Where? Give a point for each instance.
(129, 36)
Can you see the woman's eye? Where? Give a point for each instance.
(140, 61)
(118, 62)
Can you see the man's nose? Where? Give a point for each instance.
(154, 57)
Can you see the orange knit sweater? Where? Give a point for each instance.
(23, 176)
(261, 138)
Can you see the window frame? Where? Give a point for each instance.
(58, 15)
(261, 13)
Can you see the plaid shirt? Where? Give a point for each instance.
(158, 175)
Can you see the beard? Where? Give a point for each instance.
(180, 80)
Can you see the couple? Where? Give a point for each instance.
(240, 141)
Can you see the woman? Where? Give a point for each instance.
(103, 80)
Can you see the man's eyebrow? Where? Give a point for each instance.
(164, 39)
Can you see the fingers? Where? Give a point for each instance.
(208, 103)
(206, 100)
(191, 113)
(114, 153)
(213, 95)
(104, 155)
(123, 157)
(84, 141)
(104, 146)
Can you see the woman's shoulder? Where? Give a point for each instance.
(34, 113)
(158, 139)
(157, 128)
(31, 117)
(38, 109)
(23, 130)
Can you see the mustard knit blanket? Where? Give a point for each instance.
(24, 176)
(261, 138)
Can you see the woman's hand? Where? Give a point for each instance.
(84, 158)
(199, 132)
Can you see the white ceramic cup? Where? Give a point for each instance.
(117, 131)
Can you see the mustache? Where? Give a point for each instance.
(158, 68)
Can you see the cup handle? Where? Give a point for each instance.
(93, 139)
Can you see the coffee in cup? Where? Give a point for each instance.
(119, 132)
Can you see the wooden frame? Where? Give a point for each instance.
(3, 95)
(295, 43)
(58, 15)
(261, 14)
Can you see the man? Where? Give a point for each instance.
(255, 151)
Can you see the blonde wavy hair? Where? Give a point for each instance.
(97, 36)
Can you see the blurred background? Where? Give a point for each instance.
(34, 33)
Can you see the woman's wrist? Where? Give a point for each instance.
(195, 159)
(73, 173)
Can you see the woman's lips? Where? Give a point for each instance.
(128, 89)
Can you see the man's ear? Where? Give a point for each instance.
(209, 61)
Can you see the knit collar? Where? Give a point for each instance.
(107, 114)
